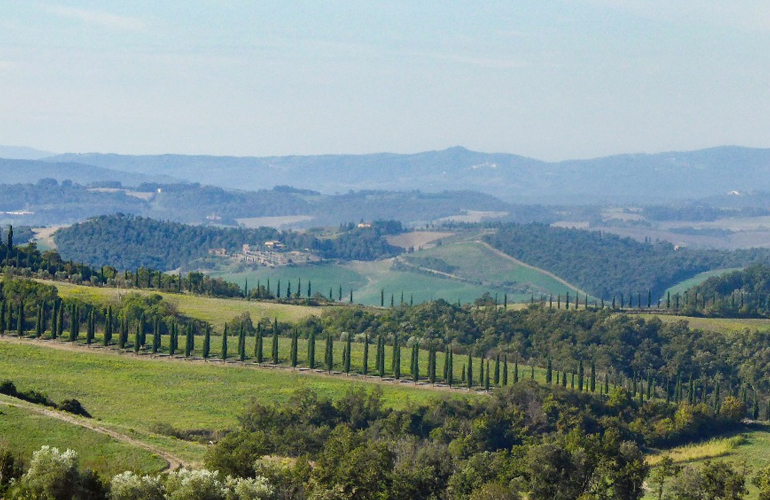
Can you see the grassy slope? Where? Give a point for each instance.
(131, 393)
(722, 325)
(479, 270)
(751, 446)
(697, 280)
(23, 431)
(216, 311)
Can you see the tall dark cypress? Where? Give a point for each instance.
(592, 387)
(581, 374)
(349, 353)
(190, 341)
(275, 343)
(381, 355)
(207, 342)
(470, 369)
(241, 343)
(516, 371)
(481, 371)
(549, 372)
(366, 355)
(294, 348)
(156, 336)
(311, 350)
(258, 345)
(446, 364)
(137, 338)
(224, 343)
(450, 370)
(39, 321)
(329, 354)
(432, 364)
(90, 329)
(416, 362)
(486, 377)
(497, 370)
(397, 358)
(108, 327)
(20, 319)
(505, 370)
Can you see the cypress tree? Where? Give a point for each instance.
(311, 350)
(470, 369)
(572, 379)
(395, 354)
(549, 372)
(397, 357)
(516, 371)
(39, 321)
(416, 362)
(446, 364)
(90, 330)
(241, 343)
(432, 364)
(481, 371)
(450, 371)
(278, 290)
(258, 345)
(486, 377)
(382, 297)
(137, 338)
(20, 320)
(275, 342)
(532, 371)
(497, 370)
(121, 338)
(564, 378)
(339, 294)
(366, 354)
(309, 289)
(224, 344)
(294, 349)
(581, 374)
(351, 295)
(156, 335)
(592, 387)
(207, 342)
(189, 341)
(505, 370)
(288, 290)
(606, 383)
(377, 356)
(348, 353)
(329, 358)
(108, 327)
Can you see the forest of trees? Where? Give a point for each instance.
(604, 264)
(129, 242)
(743, 293)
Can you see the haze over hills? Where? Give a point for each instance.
(14, 171)
(634, 178)
(23, 153)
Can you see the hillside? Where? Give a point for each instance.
(606, 265)
(640, 178)
(31, 171)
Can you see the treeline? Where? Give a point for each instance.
(744, 293)
(604, 264)
(129, 242)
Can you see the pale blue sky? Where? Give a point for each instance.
(547, 79)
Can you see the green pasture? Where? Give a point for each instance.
(23, 431)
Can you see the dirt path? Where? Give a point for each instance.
(150, 358)
(171, 461)
(524, 264)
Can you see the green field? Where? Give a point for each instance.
(132, 393)
(699, 278)
(23, 431)
(213, 310)
(479, 270)
(751, 445)
(721, 325)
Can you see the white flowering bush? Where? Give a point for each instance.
(248, 489)
(199, 484)
(52, 475)
(130, 486)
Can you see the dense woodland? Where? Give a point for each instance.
(744, 293)
(129, 242)
(606, 265)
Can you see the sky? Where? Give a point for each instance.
(547, 79)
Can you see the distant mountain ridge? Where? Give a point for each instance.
(637, 178)
(13, 171)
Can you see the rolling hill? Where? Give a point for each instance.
(634, 178)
